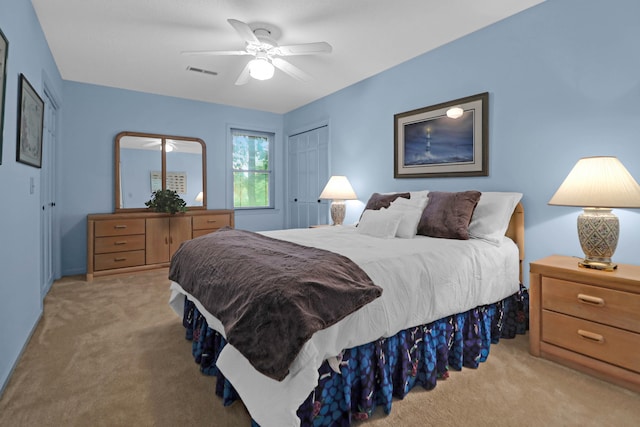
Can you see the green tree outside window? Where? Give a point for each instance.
(251, 170)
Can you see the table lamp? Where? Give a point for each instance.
(598, 184)
(339, 189)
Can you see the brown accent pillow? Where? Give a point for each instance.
(378, 201)
(448, 215)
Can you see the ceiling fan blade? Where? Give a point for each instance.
(244, 76)
(215, 52)
(290, 69)
(244, 30)
(304, 49)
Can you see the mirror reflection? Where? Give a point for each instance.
(146, 163)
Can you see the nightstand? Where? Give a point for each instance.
(586, 319)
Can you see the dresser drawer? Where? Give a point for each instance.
(118, 260)
(210, 222)
(601, 342)
(119, 227)
(608, 306)
(119, 243)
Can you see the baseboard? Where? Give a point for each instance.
(6, 380)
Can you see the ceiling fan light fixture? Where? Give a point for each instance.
(261, 69)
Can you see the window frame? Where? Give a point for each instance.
(270, 136)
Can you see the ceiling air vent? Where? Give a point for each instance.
(200, 70)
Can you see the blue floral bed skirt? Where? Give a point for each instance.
(372, 374)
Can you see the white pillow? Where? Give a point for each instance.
(423, 194)
(379, 223)
(417, 201)
(492, 214)
(411, 210)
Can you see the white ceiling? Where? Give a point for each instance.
(136, 44)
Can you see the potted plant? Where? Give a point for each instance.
(167, 201)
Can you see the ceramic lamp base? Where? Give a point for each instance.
(598, 230)
(338, 210)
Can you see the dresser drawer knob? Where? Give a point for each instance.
(591, 336)
(121, 242)
(211, 220)
(119, 259)
(588, 299)
(119, 226)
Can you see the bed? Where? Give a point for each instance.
(449, 289)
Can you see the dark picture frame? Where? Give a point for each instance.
(428, 143)
(30, 122)
(4, 55)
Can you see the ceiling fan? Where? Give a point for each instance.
(261, 44)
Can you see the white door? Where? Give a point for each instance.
(308, 173)
(47, 193)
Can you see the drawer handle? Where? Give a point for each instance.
(119, 227)
(588, 299)
(591, 336)
(122, 242)
(119, 259)
(212, 220)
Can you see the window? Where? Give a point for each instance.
(252, 169)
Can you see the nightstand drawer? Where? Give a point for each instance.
(608, 306)
(595, 340)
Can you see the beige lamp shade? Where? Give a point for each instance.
(339, 189)
(598, 184)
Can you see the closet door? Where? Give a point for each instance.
(50, 239)
(308, 174)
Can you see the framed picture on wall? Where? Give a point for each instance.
(443, 140)
(4, 54)
(30, 120)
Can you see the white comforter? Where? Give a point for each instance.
(423, 279)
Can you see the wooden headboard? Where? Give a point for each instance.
(515, 232)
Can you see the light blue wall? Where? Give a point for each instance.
(564, 82)
(20, 301)
(94, 115)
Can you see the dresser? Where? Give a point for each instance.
(587, 319)
(129, 242)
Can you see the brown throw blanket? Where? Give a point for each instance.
(270, 295)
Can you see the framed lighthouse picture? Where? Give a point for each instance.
(444, 140)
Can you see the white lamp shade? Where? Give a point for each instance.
(200, 197)
(338, 188)
(598, 182)
(261, 69)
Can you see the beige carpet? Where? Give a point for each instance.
(112, 353)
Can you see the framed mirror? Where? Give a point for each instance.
(147, 162)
